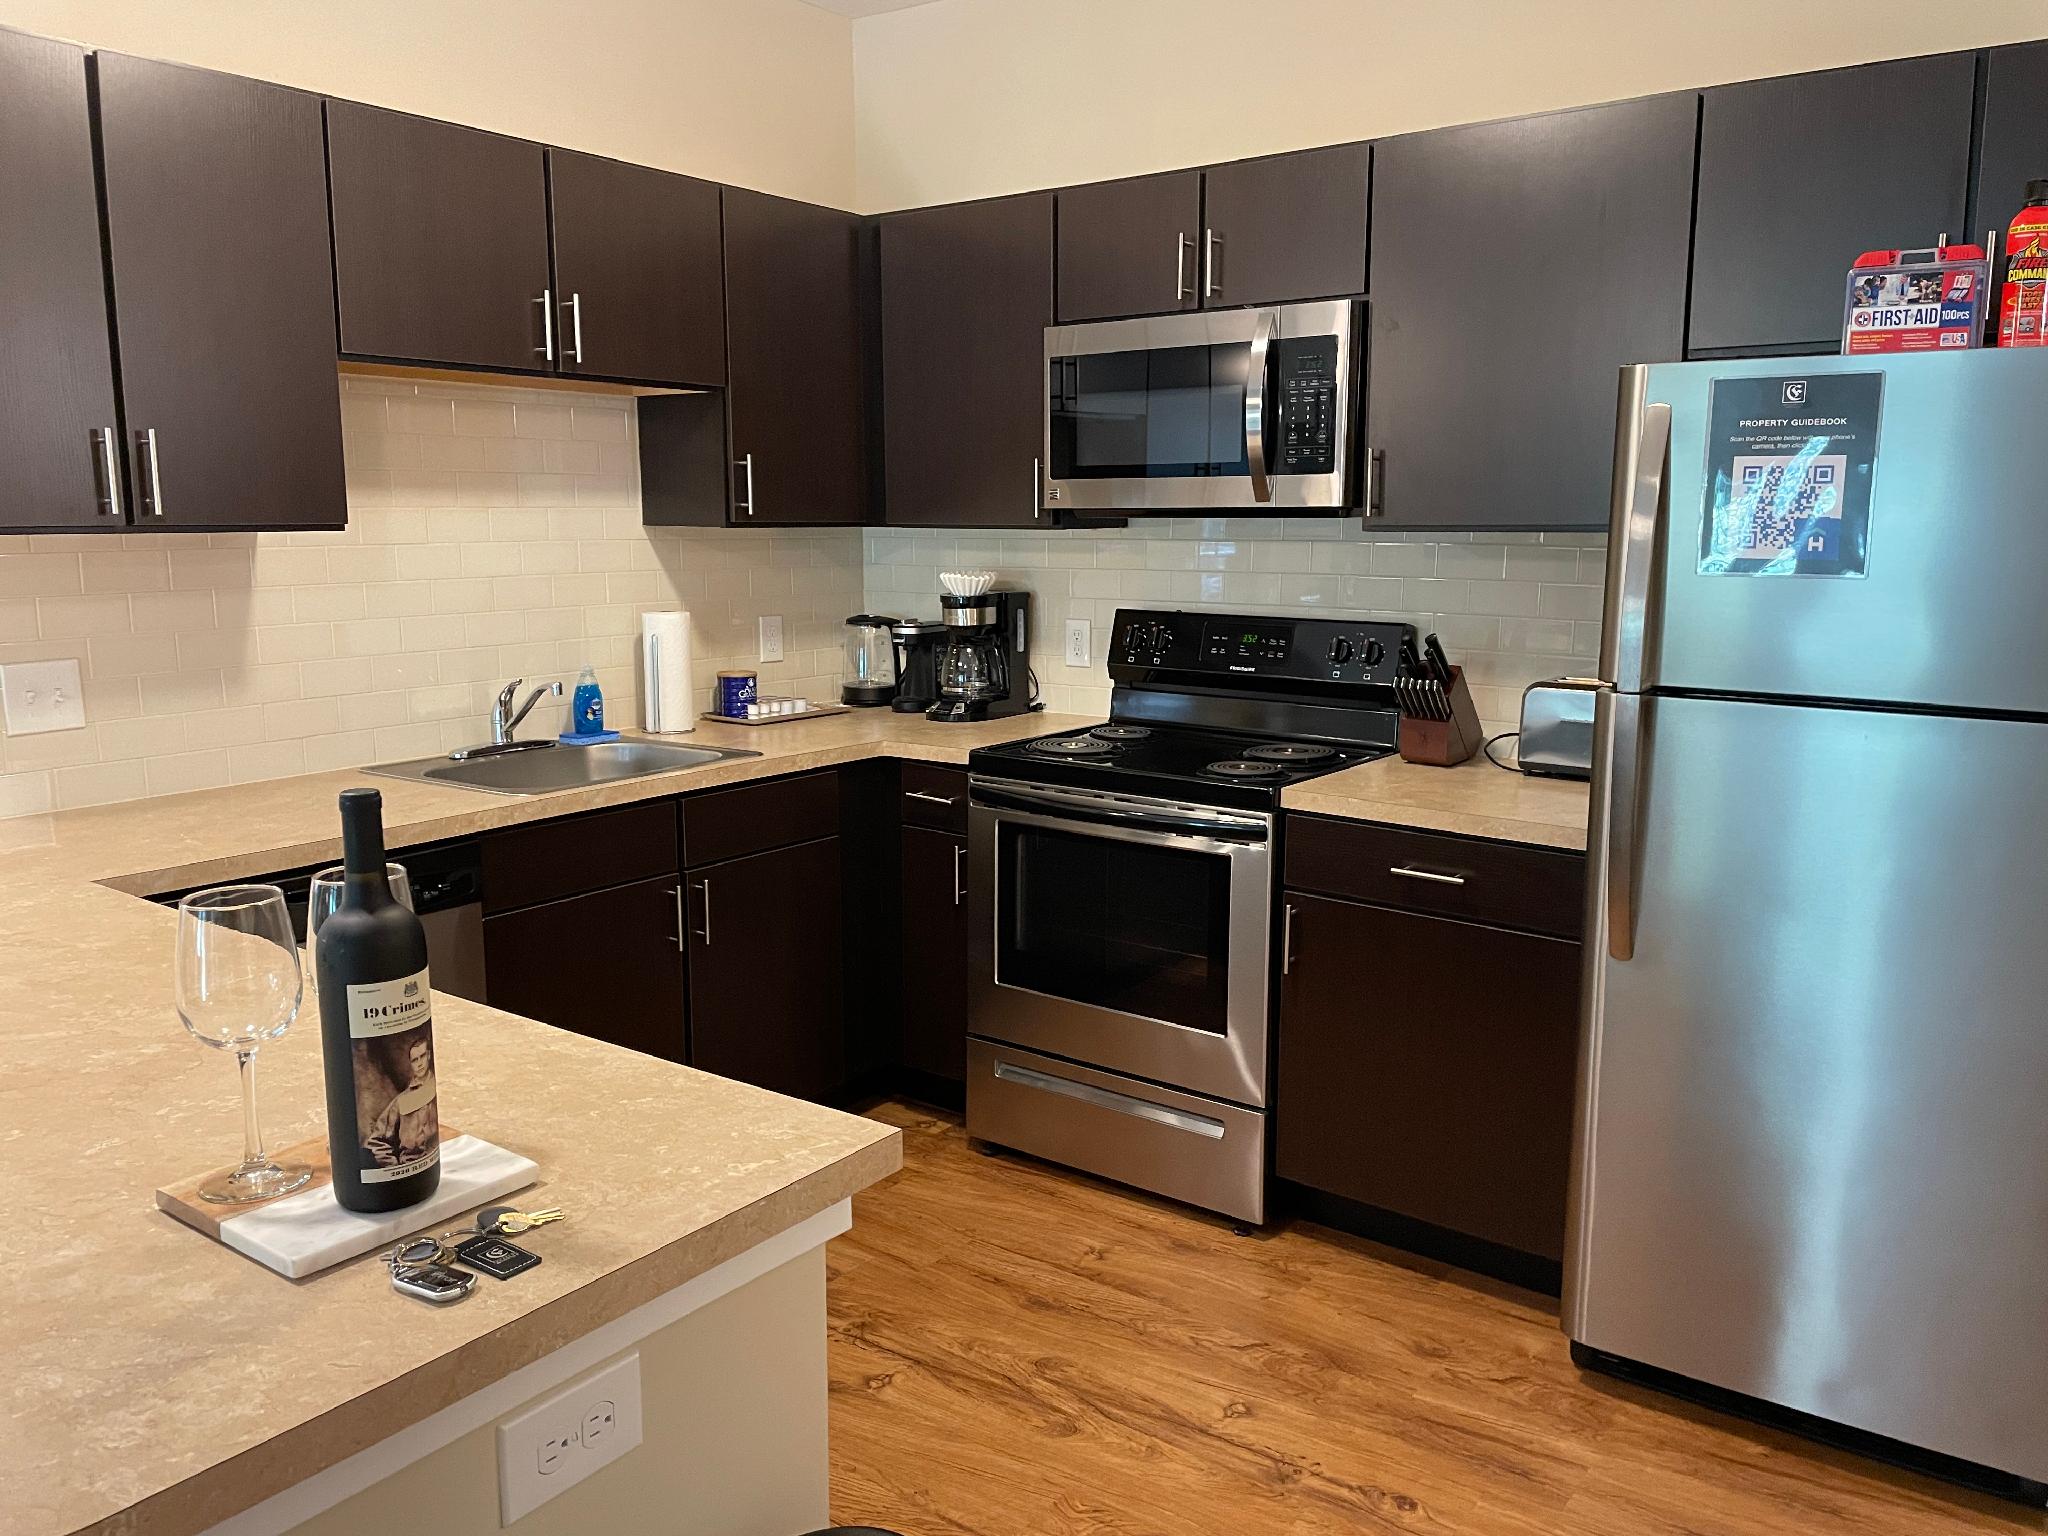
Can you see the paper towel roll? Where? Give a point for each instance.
(665, 689)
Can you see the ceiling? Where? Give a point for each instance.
(859, 8)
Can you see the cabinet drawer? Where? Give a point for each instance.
(1539, 889)
(752, 818)
(552, 859)
(934, 797)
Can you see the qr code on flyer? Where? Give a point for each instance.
(1783, 507)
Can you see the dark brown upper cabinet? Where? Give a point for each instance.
(640, 272)
(2015, 143)
(1494, 360)
(440, 242)
(787, 442)
(1130, 247)
(1801, 175)
(966, 298)
(1286, 227)
(216, 228)
(60, 448)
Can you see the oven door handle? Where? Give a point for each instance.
(1172, 823)
(1255, 406)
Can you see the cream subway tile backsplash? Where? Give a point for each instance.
(493, 532)
(1511, 608)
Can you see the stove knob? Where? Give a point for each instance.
(1375, 653)
(1341, 650)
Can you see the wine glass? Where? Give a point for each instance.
(323, 895)
(239, 984)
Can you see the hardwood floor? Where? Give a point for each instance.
(1020, 1351)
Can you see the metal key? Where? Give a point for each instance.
(506, 1222)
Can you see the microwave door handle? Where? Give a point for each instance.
(1255, 405)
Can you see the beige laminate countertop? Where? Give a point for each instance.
(1475, 799)
(156, 1381)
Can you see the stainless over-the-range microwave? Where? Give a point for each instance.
(1246, 409)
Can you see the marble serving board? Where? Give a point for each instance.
(306, 1231)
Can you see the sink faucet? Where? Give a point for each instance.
(505, 720)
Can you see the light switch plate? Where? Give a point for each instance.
(771, 637)
(558, 1442)
(38, 696)
(1077, 642)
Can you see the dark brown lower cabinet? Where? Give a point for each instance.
(1441, 1087)
(604, 964)
(766, 951)
(934, 951)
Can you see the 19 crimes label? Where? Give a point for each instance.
(387, 1007)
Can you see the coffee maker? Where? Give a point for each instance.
(984, 659)
(917, 644)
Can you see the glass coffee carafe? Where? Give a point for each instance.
(869, 675)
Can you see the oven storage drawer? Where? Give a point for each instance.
(1206, 1153)
(1503, 884)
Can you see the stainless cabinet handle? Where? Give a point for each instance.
(1375, 465)
(929, 798)
(107, 472)
(546, 301)
(746, 467)
(1181, 290)
(1287, 938)
(682, 927)
(575, 337)
(1430, 875)
(959, 878)
(1210, 287)
(704, 933)
(1037, 488)
(152, 480)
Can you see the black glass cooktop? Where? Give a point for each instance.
(1173, 762)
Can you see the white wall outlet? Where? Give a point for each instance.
(556, 1443)
(771, 637)
(38, 696)
(1077, 642)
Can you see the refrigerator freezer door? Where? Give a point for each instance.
(1813, 1158)
(1948, 612)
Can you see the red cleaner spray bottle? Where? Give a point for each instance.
(2023, 304)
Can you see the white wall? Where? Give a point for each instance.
(758, 93)
(966, 98)
(492, 533)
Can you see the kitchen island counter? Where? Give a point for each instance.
(158, 1381)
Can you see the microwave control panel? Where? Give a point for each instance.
(1307, 382)
(1358, 651)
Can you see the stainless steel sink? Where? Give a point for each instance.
(537, 770)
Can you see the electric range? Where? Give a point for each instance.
(1121, 896)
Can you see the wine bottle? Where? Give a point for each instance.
(376, 1028)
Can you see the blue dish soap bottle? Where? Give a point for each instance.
(586, 707)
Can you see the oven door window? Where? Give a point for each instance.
(1134, 927)
(1165, 413)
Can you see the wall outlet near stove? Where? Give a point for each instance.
(38, 696)
(1077, 642)
(771, 637)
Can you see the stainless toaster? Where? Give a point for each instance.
(1557, 727)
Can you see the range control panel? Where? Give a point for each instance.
(1363, 651)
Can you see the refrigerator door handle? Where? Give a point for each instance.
(1623, 758)
(1642, 451)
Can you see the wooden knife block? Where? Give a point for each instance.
(1444, 743)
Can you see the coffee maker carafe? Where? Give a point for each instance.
(984, 661)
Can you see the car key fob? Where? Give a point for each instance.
(437, 1283)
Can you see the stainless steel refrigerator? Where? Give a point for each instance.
(1812, 1160)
